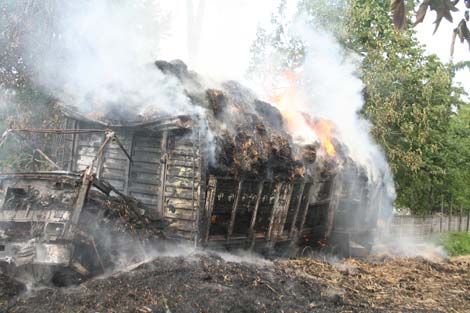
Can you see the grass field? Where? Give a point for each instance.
(455, 243)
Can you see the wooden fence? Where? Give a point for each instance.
(422, 226)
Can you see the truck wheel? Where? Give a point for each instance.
(42, 273)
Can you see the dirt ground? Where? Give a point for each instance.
(205, 282)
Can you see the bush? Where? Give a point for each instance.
(456, 243)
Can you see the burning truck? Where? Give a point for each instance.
(227, 176)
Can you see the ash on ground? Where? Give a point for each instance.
(205, 282)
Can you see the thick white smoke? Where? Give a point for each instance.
(327, 85)
(6, 99)
(227, 31)
(101, 53)
(331, 89)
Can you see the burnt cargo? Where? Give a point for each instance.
(184, 178)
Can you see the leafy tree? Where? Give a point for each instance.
(409, 99)
(32, 28)
(23, 104)
(458, 158)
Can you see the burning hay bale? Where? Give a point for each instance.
(249, 134)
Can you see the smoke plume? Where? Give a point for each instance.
(326, 85)
(101, 55)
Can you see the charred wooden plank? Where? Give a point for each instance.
(87, 151)
(184, 152)
(181, 182)
(182, 172)
(147, 157)
(305, 208)
(148, 149)
(186, 158)
(281, 205)
(297, 209)
(181, 193)
(174, 204)
(251, 231)
(118, 184)
(150, 200)
(112, 155)
(180, 234)
(275, 210)
(163, 171)
(209, 205)
(129, 164)
(73, 147)
(142, 167)
(144, 178)
(234, 209)
(144, 140)
(113, 172)
(143, 188)
(183, 163)
(180, 214)
(181, 224)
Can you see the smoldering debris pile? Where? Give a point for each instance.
(9, 288)
(383, 284)
(122, 216)
(206, 283)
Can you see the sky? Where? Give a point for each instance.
(440, 43)
(228, 31)
(230, 28)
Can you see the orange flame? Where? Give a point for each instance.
(324, 130)
(290, 104)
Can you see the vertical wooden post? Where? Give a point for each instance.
(460, 219)
(275, 210)
(442, 215)
(283, 205)
(234, 210)
(297, 208)
(209, 205)
(163, 172)
(252, 231)
(305, 208)
(33, 155)
(129, 164)
(73, 148)
(201, 189)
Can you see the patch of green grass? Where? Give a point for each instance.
(455, 243)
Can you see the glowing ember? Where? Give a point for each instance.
(324, 130)
(300, 124)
